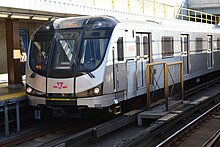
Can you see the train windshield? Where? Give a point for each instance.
(40, 49)
(64, 53)
(92, 53)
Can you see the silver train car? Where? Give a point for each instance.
(100, 61)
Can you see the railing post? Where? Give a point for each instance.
(165, 13)
(148, 85)
(155, 9)
(188, 14)
(182, 12)
(113, 4)
(18, 117)
(129, 5)
(215, 20)
(206, 16)
(201, 16)
(182, 80)
(166, 88)
(6, 120)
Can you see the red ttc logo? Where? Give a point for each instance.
(59, 85)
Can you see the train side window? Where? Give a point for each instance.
(209, 42)
(120, 49)
(167, 47)
(184, 44)
(146, 46)
(138, 45)
(198, 44)
(218, 43)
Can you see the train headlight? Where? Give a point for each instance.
(97, 90)
(29, 90)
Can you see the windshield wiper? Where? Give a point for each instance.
(89, 73)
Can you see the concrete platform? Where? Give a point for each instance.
(168, 117)
(155, 113)
(160, 113)
(199, 100)
(10, 94)
(11, 98)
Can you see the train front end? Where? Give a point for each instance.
(66, 63)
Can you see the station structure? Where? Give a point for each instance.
(207, 6)
(19, 19)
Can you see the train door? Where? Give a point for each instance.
(185, 52)
(209, 51)
(142, 55)
(119, 70)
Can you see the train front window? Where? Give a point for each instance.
(92, 53)
(39, 56)
(63, 53)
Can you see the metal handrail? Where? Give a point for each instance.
(166, 85)
(198, 15)
(148, 80)
(166, 80)
(157, 8)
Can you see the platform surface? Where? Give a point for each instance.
(7, 93)
(159, 112)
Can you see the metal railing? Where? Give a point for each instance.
(167, 73)
(119, 8)
(197, 16)
(150, 76)
(160, 9)
(8, 105)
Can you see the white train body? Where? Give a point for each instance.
(120, 50)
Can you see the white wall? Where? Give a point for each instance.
(161, 8)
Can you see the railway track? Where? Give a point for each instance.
(95, 133)
(48, 131)
(198, 131)
(160, 130)
(150, 135)
(77, 135)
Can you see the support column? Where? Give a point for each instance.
(13, 53)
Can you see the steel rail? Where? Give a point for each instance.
(108, 127)
(147, 136)
(187, 126)
(95, 132)
(213, 141)
(29, 134)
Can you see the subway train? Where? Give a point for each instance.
(99, 62)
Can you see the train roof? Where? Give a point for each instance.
(149, 22)
(172, 24)
(85, 21)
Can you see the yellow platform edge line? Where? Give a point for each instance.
(11, 96)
